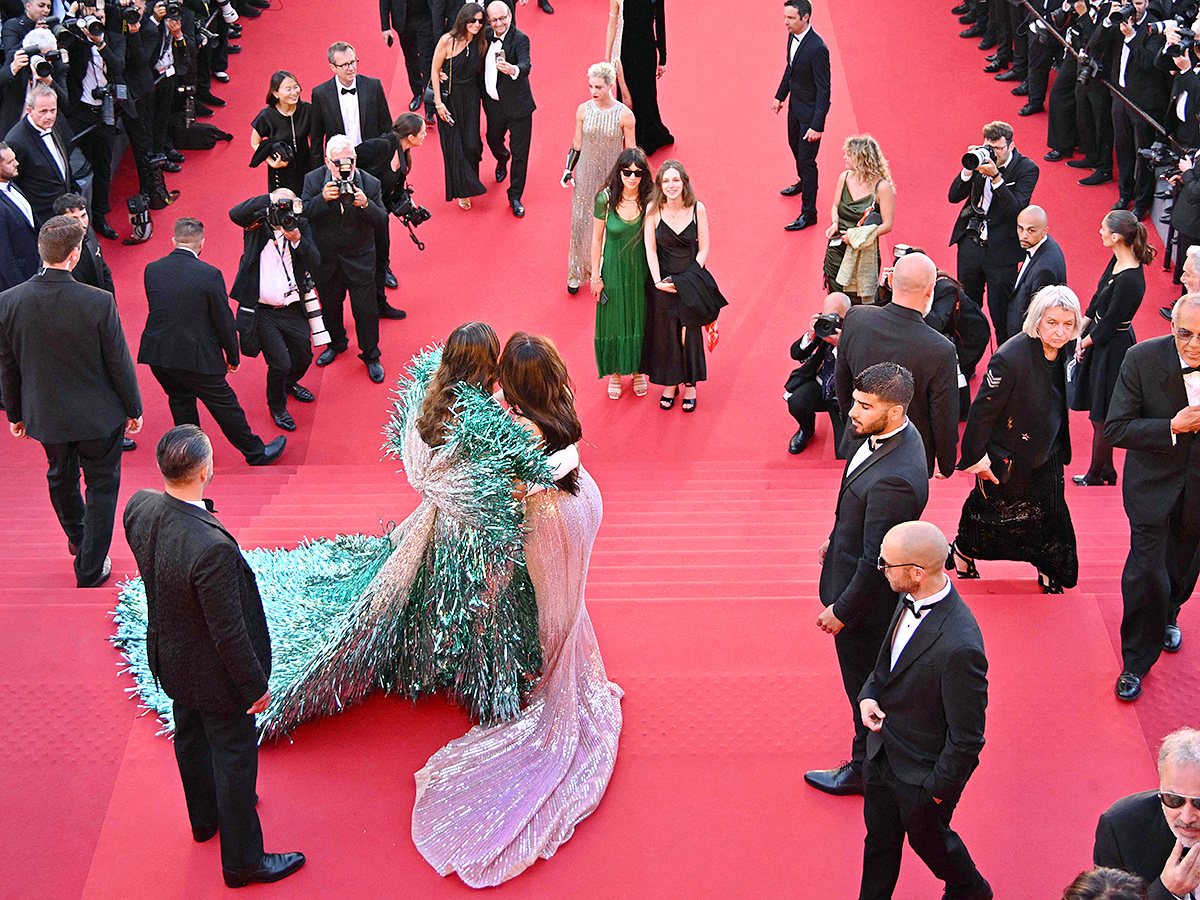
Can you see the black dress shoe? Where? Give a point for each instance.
(204, 833)
(974, 31)
(328, 355)
(301, 393)
(969, 18)
(167, 166)
(545, 7)
(841, 781)
(800, 223)
(105, 572)
(1054, 156)
(995, 66)
(202, 111)
(1010, 75)
(1173, 639)
(272, 867)
(1029, 109)
(387, 311)
(791, 190)
(72, 548)
(501, 170)
(103, 229)
(234, 49)
(989, 40)
(517, 208)
(128, 444)
(284, 420)
(1090, 480)
(174, 155)
(961, 10)
(798, 442)
(415, 103)
(1129, 687)
(1140, 212)
(212, 100)
(1083, 163)
(271, 451)
(1122, 203)
(1100, 176)
(389, 279)
(1165, 312)
(992, 57)
(375, 371)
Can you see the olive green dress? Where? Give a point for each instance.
(621, 322)
(850, 211)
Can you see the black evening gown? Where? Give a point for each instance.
(1112, 309)
(462, 147)
(643, 50)
(665, 358)
(296, 129)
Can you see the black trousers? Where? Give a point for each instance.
(88, 524)
(1093, 118)
(162, 108)
(893, 809)
(416, 43)
(137, 129)
(804, 404)
(976, 275)
(383, 253)
(857, 650)
(1000, 23)
(284, 334)
(1131, 133)
(520, 136)
(218, 765)
(806, 164)
(364, 305)
(184, 388)
(1160, 574)
(97, 147)
(1041, 61)
(1062, 133)
(1019, 29)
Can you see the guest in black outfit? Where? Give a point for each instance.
(209, 650)
(190, 342)
(507, 100)
(349, 104)
(811, 386)
(460, 51)
(884, 484)
(1154, 834)
(1185, 211)
(1062, 131)
(410, 22)
(805, 85)
(16, 76)
(1044, 263)
(18, 239)
(1154, 414)
(42, 145)
(1016, 443)
(286, 119)
(92, 269)
(80, 404)
(924, 704)
(643, 62)
(1108, 333)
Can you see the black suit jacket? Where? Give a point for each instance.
(64, 364)
(811, 358)
(344, 233)
(13, 87)
(39, 178)
(1133, 835)
(1012, 196)
(251, 215)
(189, 326)
(373, 116)
(1187, 129)
(516, 99)
(1145, 82)
(206, 634)
(1148, 394)
(1185, 213)
(113, 54)
(933, 701)
(889, 487)
(892, 333)
(92, 268)
(806, 81)
(1047, 266)
(18, 245)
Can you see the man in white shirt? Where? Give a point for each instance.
(507, 100)
(18, 239)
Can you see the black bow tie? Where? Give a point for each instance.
(349, 90)
(1188, 370)
(912, 607)
(876, 442)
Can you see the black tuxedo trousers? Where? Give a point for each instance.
(857, 652)
(806, 165)
(520, 136)
(284, 334)
(184, 389)
(364, 304)
(1135, 178)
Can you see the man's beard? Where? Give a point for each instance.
(868, 430)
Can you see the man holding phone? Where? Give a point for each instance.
(507, 100)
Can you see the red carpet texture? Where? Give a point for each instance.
(703, 583)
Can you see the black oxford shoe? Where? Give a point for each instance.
(327, 356)
(501, 170)
(415, 103)
(375, 371)
(1100, 176)
(800, 223)
(1129, 687)
(1055, 156)
(105, 572)
(271, 452)
(841, 781)
(1173, 640)
(301, 393)
(791, 190)
(387, 311)
(976, 30)
(1082, 163)
(284, 420)
(518, 209)
(103, 229)
(544, 6)
(995, 66)
(1029, 109)
(272, 867)
(798, 442)
(1165, 312)
(128, 444)
(389, 279)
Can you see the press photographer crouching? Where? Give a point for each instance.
(811, 386)
(274, 289)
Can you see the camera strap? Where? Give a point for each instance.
(288, 271)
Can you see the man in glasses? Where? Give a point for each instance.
(507, 100)
(1155, 414)
(1156, 834)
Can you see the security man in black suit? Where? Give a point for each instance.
(19, 258)
(190, 342)
(924, 707)
(78, 404)
(811, 386)
(1155, 414)
(507, 100)
(42, 144)
(344, 229)
(884, 484)
(92, 268)
(1155, 834)
(1044, 264)
(997, 186)
(411, 23)
(209, 650)
(805, 85)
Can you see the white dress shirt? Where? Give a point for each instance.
(165, 64)
(795, 42)
(865, 450)
(1028, 258)
(1125, 52)
(48, 140)
(276, 281)
(909, 623)
(1191, 383)
(13, 193)
(95, 76)
(349, 107)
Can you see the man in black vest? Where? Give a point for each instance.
(805, 85)
(209, 649)
(507, 100)
(78, 404)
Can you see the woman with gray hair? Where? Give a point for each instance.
(1016, 443)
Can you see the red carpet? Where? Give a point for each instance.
(704, 578)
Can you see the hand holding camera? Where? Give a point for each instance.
(360, 199)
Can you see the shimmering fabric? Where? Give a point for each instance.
(603, 142)
(493, 801)
(616, 50)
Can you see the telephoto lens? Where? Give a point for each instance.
(973, 159)
(316, 322)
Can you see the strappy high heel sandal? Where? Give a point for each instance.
(464, 202)
(639, 385)
(1048, 584)
(689, 403)
(952, 563)
(665, 402)
(614, 387)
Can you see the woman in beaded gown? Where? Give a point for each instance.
(603, 128)
(490, 803)
(459, 54)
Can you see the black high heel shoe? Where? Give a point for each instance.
(665, 402)
(1048, 584)
(951, 563)
(1090, 480)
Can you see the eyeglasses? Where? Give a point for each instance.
(1176, 801)
(349, 64)
(1184, 335)
(632, 173)
(884, 566)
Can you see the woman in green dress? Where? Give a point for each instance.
(866, 186)
(619, 271)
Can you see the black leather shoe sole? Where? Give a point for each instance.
(1173, 640)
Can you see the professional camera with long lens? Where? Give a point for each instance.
(282, 213)
(1159, 155)
(107, 94)
(43, 54)
(228, 13)
(1087, 69)
(345, 180)
(399, 202)
(174, 9)
(980, 156)
(139, 218)
(1124, 13)
(85, 25)
(312, 309)
(827, 325)
(129, 13)
(1181, 26)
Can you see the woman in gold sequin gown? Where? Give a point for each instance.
(603, 128)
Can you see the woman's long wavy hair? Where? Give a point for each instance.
(659, 199)
(867, 160)
(459, 30)
(631, 158)
(537, 386)
(470, 356)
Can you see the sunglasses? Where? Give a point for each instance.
(884, 566)
(1176, 801)
(475, 21)
(1184, 335)
(632, 173)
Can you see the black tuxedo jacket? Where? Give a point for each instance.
(1187, 129)
(1012, 196)
(64, 364)
(933, 701)
(206, 634)
(1185, 213)
(1149, 392)
(39, 178)
(344, 233)
(889, 487)
(1145, 83)
(373, 116)
(251, 215)
(13, 87)
(806, 81)
(1047, 266)
(18, 245)
(811, 358)
(516, 99)
(892, 333)
(189, 326)
(1133, 835)
(395, 13)
(92, 268)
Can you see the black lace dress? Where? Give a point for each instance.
(666, 358)
(462, 147)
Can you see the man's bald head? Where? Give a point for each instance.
(836, 303)
(913, 278)
(916, 543)
(1032, 226)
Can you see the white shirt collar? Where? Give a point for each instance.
(800, 36)
(44, 132)
(888, 434)
(1034, 249)
(197, 503)
(933, 598)
(197, 255)
(353, 86)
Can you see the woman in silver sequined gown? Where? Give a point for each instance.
(603, 128)
(492, 802)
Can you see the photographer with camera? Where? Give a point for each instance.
(811, 386)
(345, 208)
(1093, 99)
(274, 286)
(31, 56)
(997, 183)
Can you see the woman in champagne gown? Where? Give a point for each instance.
(459, 55)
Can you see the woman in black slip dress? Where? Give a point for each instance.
(288, 119)
(459, 54)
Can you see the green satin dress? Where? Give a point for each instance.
(621, 322)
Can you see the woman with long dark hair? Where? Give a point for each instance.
(619, 271)
(389, 156)
(457, 101)
(1108, 333)
(286, 120)
(643, 54)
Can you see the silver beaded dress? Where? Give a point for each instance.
(603, 142)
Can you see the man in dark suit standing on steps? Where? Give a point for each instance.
(18, 238)
(924, 707)
(190, 342)
(1155, 415)
(69, 383)
(92, 268)
(805, 85)
(885, 483)
(1044, 264)
(411, 23)
(43, 149)
(209, 649)
(507, 100)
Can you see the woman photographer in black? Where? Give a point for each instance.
(280, 134)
